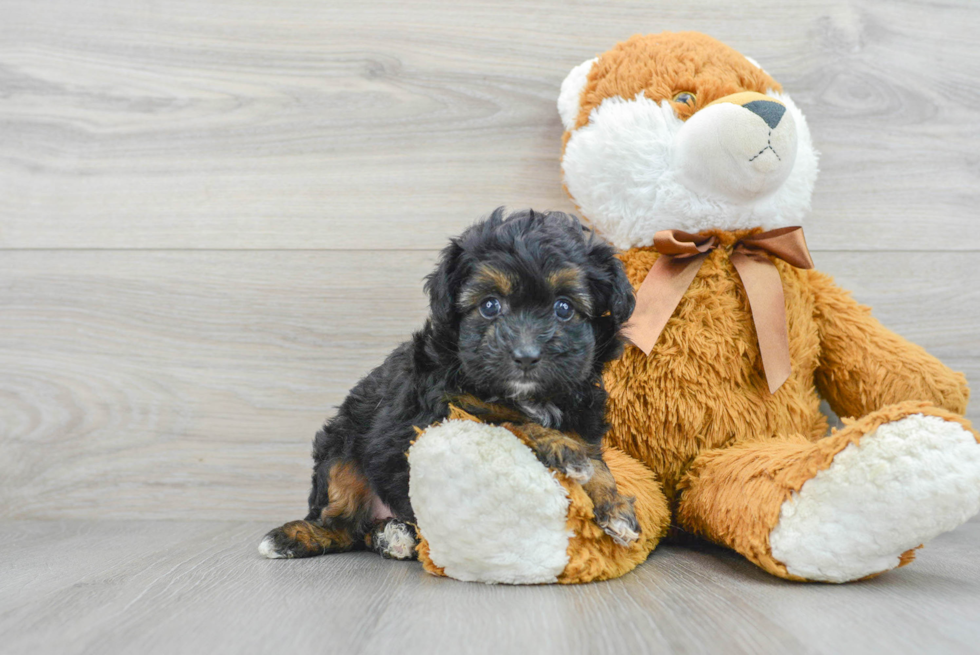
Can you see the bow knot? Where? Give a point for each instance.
(681, 255)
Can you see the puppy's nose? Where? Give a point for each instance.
(526, 356)
(769, 111)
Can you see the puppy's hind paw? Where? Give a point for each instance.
(393, 539)
(619, 522)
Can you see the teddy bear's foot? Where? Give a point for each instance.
(899, 486)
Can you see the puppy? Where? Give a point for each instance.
(525, 312)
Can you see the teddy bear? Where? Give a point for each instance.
(688, 157)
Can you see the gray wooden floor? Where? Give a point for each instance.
(216, 216)
(75, 586)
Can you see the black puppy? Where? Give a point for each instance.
(525, 312)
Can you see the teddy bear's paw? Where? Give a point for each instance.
(898, 487)
(618, 520)
(393, 539)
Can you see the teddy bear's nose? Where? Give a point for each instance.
(769, 111)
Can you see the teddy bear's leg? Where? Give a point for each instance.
(848, 506)
(488, 510)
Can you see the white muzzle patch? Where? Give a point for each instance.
(740, 152)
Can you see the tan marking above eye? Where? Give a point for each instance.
(570, 282)
(565, 277)
(487, 281)
(499, 279)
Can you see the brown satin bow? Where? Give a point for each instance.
(681, 257)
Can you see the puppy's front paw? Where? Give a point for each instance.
(569, 459)
(580, 472)
(303, 539)
(277, 544)
(618, 520)
(561, 452)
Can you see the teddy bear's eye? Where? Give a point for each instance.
(685, 98)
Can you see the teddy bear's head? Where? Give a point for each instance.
(679, 131)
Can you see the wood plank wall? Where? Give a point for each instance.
(215, 217)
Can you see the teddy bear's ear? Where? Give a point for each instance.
(755, 63)
(571, 92)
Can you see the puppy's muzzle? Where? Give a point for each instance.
(526, 356)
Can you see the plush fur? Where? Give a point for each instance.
(556, 538)
(748, 469)
(623, 163)
(525, 312)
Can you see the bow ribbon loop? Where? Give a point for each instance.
(681, 255)
(682, 244)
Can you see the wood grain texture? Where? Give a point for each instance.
(366, 125)
(106, 587)
(189, 384)
(215, 217)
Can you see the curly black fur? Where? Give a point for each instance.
(447, 357)
(459, 352)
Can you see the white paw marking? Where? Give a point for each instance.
(899, 487)
(267, 549)
(621, 532)
(580, 473)
(399, 541)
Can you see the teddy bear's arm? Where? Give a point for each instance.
(864, 366)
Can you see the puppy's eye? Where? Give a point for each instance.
(685, 98)
(489, 307)
(563, 309)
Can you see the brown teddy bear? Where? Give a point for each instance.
(689, 157)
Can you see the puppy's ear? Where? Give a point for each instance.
(611, 288)
(613, 294)
(443, 284)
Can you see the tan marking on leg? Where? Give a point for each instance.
(613, 512)
(601, 488)
(486, 412)
(564, 452)
(554, 444)
(315, 540)
(349, 492)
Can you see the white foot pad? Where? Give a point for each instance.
(489, 509)
(899, 487)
